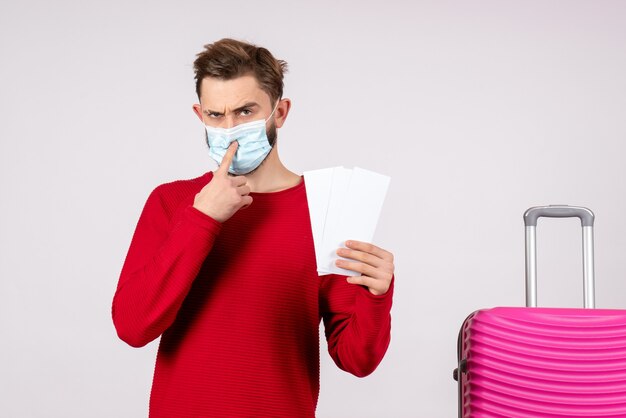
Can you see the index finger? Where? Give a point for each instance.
(370, 249)
(228, 158)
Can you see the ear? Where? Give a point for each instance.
(282, 110)
(197, 109)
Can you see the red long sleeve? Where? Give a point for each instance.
(160, 267)
(357, 324)
(238, 307)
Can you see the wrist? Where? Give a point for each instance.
(208, 212)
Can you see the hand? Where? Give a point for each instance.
(374, 264)
(224, 195)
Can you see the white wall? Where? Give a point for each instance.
(477, 110)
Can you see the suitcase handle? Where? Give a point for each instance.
(558, 211)
(586, 217)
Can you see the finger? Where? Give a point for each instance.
(247, 201)
(357, 267)
(374, 286)
(243, 190)
(238, 181)
(228, 159)
(361, 256)
(370, 248)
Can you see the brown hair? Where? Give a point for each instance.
(228, 58)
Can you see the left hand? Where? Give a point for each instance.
(374, 264)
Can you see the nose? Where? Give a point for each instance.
(229, 121)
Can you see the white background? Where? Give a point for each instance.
(477, 110)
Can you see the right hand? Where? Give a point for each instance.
(224, 195)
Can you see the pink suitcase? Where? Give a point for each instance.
(544, 362)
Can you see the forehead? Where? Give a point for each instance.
(217, 93)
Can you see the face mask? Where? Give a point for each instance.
(253, 144)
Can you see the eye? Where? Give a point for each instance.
(246, 112)
(214, 115)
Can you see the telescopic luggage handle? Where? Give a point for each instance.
(559, 211)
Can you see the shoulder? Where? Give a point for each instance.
(182, 186)
(172, 194)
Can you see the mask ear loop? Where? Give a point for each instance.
(273, 110)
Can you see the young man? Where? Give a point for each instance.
(222, 266)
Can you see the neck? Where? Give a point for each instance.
(272, 175)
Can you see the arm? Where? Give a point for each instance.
(162, 264)
(357, 324)
(356, 310)
(159, 269)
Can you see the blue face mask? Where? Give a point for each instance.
(253, 144)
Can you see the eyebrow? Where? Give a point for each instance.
(240, 108)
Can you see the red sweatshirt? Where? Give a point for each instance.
(238, 307)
